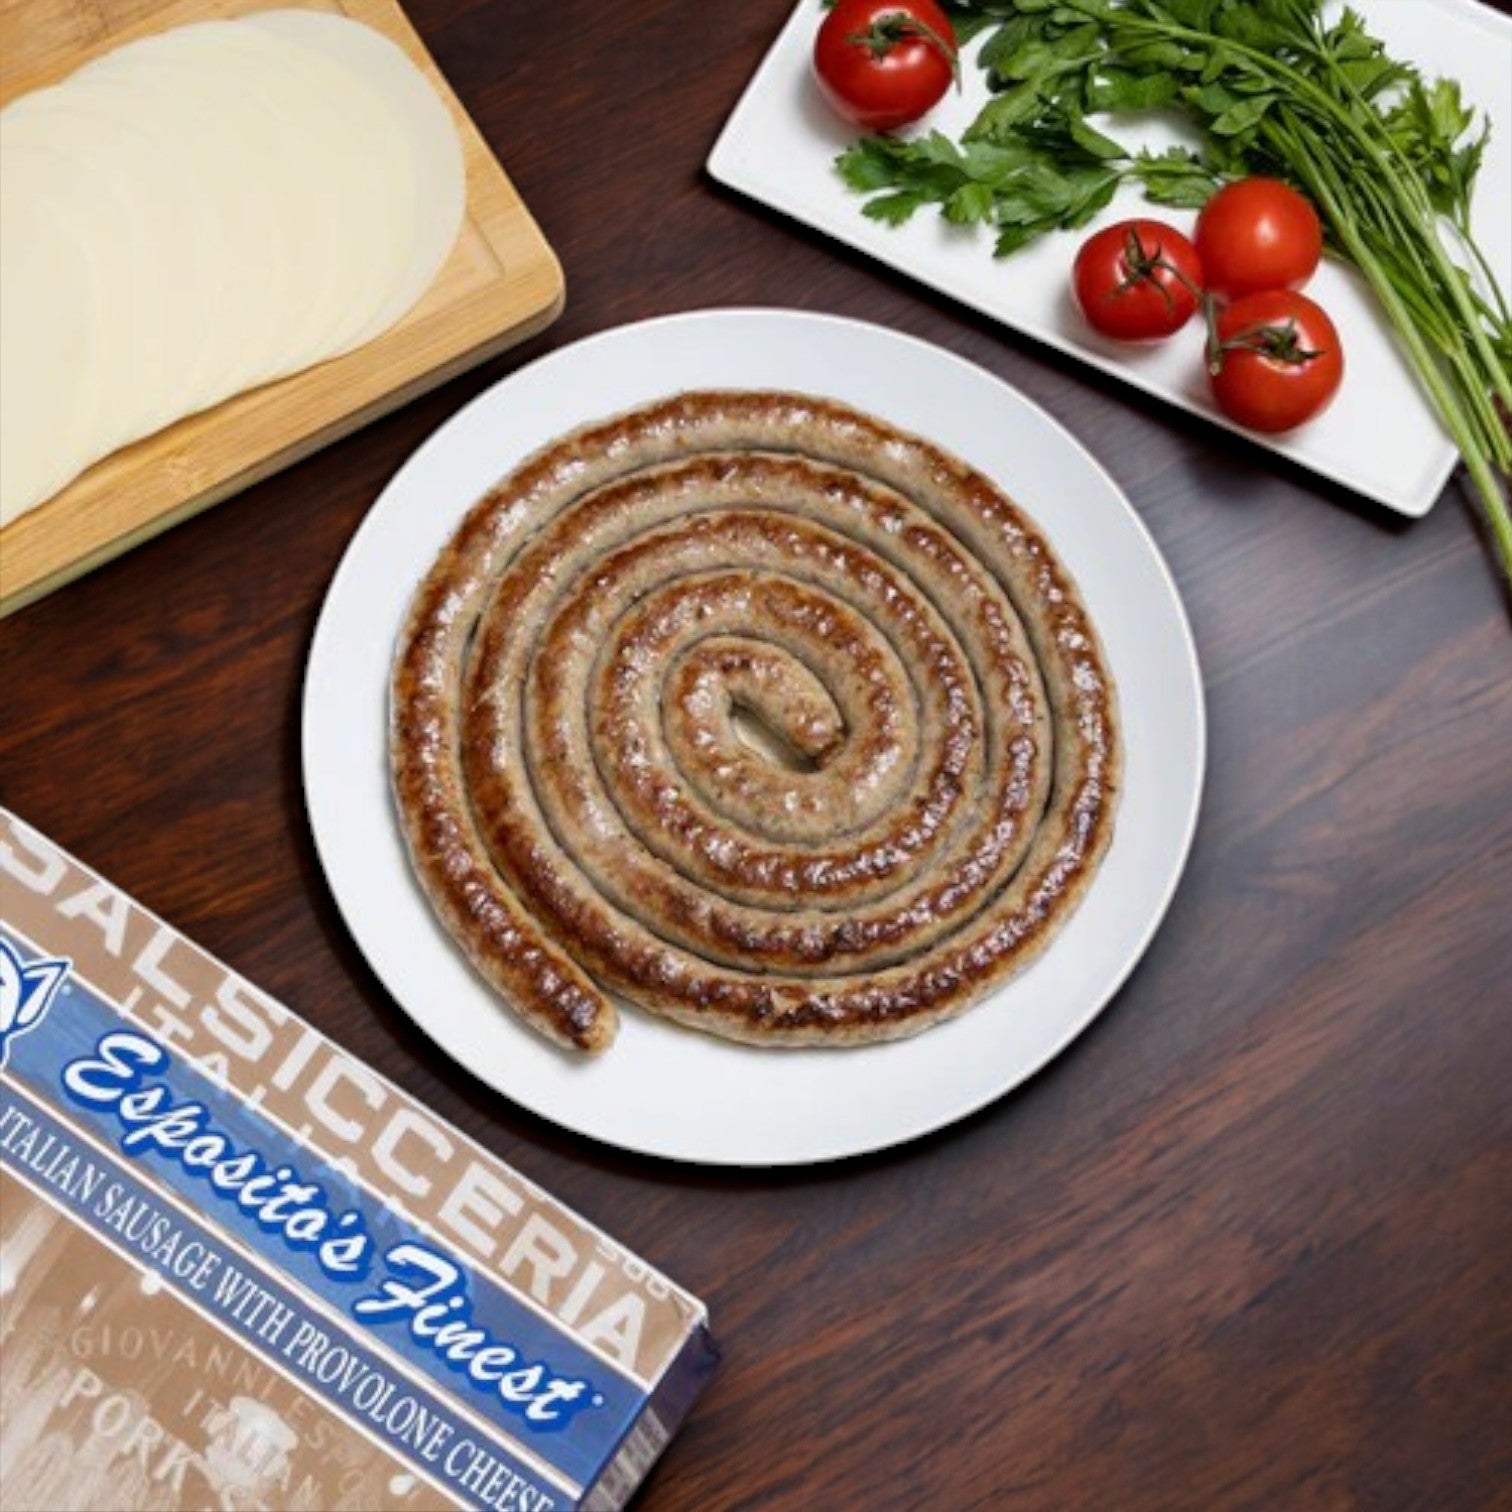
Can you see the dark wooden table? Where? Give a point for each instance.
(1249, 1243)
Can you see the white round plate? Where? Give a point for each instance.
(666, 1091)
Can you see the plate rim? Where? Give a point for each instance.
(905, 1131)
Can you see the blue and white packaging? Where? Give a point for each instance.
(240, 1268)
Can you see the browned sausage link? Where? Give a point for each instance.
(531, 764)
(576, 687)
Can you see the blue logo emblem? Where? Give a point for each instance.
(27, 990)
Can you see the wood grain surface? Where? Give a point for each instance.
(1249, 1243)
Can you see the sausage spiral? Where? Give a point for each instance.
(756, 712)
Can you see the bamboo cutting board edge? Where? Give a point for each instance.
(13, 600)
(501, 285)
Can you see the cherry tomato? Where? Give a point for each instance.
(1277, 360)
(1257, 234)
(884, 63)
(1139, 280)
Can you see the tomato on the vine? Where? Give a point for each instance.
(1139, 280)
(1275, 360)
(1257, 234)
(884, 63)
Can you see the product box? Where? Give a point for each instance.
(240, 1269)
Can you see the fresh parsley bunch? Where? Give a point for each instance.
(1388, 157)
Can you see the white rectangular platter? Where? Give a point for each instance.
(1379, 438)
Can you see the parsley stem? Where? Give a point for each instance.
(1468, 414)
(1410, 277)
(1401, 288)
(1307, 92)
(1280, 90)
(1480, 467)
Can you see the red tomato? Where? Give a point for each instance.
(1257, 234)
(1278, 360)
(1137, 281)
(884, 63)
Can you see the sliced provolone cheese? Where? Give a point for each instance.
(131, 180)
(203, 211)
(276, 103)
(428, 168)
(102, 212)
(189, 75)
(49, 313)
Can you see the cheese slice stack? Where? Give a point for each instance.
(201, 212)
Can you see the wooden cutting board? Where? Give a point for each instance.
(501, 284)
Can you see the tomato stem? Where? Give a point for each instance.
(1280, 343)
(1144, 265)
(887, 32)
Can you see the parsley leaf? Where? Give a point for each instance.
(1274, 87)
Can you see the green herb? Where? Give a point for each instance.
(1387, 156)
